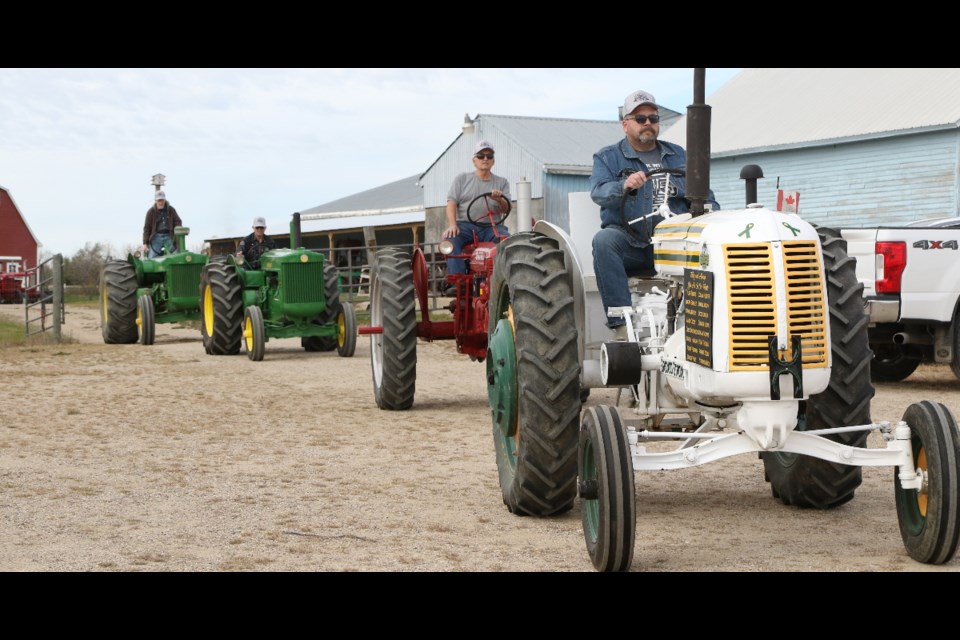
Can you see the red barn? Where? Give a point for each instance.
(19, 248)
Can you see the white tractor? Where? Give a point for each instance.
(750, 339)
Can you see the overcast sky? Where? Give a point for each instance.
(78, 146)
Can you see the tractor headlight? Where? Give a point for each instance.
(446, 247)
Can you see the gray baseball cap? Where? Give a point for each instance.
(259, 221)
(483, 144)
(636, 99)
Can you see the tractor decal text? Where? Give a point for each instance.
(673, 369)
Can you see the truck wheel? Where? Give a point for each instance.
(891, 364)
(393, 353)
(331, 289)
(254, 338)
(607, 491)
(533, 376)
(222, 303)
(930, 518)
(146, 324)
(346, 330)
(118, 302)
(805, 481)
(955, 362)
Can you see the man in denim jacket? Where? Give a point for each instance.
(619, 169)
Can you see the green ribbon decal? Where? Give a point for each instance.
(746, 232)
(795, 231)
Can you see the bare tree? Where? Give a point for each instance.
(83, 269)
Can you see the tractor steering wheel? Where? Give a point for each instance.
(494, 218)
(623, 202)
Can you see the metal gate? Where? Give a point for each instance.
(45, 312)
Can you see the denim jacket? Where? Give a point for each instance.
(612, 165)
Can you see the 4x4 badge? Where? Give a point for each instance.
(935, 244)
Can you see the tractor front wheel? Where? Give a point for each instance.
(254, 338)
(146, 323)
(607, 491)
(118, 302)
(930, 517)
(533, 376)
(346, 330)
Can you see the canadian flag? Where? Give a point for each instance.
(788, 201)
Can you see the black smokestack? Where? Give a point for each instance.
(698, 145)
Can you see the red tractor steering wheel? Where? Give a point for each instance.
(493, 218)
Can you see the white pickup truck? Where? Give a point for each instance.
(911, 280)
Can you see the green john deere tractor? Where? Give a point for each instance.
(137, 294)
(295, 292)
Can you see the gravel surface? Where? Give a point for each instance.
(162, 458)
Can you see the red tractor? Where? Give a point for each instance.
(13, 289)
(399, 282)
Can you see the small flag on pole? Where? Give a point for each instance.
(788, 201)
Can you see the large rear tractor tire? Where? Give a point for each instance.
(930, 518)
(393, 353)
(533, 376)
(331, 289)
(805, 481)
(222, 303)
(207, 343)
(146, 320)
(118, 302)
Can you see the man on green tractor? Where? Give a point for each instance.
(158, 228)
(256, 244)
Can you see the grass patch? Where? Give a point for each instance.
(86, 301)
(13, 334)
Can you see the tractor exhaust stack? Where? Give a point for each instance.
(698, 146)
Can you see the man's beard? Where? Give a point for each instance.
(645, 137)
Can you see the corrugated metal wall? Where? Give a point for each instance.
(556, 189)
(858, 184)
(513, 163)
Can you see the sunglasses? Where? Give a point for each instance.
(484, 156)
(643, 119)
(259, 227)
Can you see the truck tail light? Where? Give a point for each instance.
(891, 261)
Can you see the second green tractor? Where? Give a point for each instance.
(295, 292)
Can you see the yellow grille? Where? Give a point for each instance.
(753, 298)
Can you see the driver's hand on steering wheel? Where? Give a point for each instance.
(451, 232)
(635, 181)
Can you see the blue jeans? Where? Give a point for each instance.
(617, 255)
(157, 242)
(465, 237)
